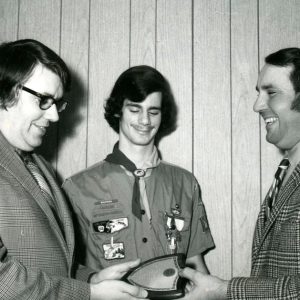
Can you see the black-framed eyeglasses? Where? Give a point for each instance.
(47, 101)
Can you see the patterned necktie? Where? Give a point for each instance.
(277, 182)
(38, 176)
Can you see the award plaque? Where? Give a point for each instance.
(159, 276)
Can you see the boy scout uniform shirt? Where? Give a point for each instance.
(108, 232)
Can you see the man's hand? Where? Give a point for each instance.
(116, 290)
(203, 286)
(114, 272)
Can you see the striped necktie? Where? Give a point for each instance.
(277, 182)
(38, 176)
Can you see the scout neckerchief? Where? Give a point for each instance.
(118, 157)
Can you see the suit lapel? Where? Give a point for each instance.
(259, 229)
(60, 202)
(11, 161)
(263, 227)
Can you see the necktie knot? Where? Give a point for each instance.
(36, 173)
(26, 157)
(282, 168)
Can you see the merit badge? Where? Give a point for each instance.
(178, 222)
(113, 250)
(110, 226)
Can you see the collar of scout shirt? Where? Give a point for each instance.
(139, 188)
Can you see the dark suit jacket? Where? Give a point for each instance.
(36, 251)
(275, 272)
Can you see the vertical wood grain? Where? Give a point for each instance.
(212, 124)
(279, 28)
(143, 32)
(174, 60)
(40, 20)
(245, 133)
(8, 20)
(109, 56)
(210, 51)
(73, 123)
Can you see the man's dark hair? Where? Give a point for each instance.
(135, 84)
(18, 59)
(284, 58)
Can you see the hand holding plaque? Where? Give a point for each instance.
(159, 276)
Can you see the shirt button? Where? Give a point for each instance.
(145, 240)
(142, 211)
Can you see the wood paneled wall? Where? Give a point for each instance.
(211, 52)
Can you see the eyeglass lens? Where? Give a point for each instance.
(47, 101)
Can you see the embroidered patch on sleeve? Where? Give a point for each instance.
(204, 223)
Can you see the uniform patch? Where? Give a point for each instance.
(204, 223)
(102, 213)
(103, 208)
(106, 202)
(114, 251)
(110, 226)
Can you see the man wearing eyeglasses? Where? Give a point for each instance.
(36, 231)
